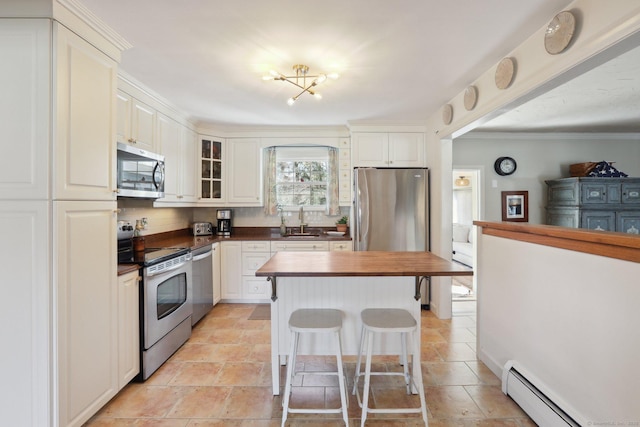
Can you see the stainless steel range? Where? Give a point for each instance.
(165, 302)
(165, 306)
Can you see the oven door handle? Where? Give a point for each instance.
(166, 270)
(202, 256)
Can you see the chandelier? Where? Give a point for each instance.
(302, 80)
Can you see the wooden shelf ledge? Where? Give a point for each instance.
(609, 244)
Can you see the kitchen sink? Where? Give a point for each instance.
(293, 235)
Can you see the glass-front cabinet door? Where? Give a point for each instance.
(210, 169)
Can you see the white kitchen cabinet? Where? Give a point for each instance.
(231, 270)
(58, 144)
(215, 259)
(343, 245)
(25, 105)
(25, 227)
(241, 259)
(254, 255)
(382, 149)
(86, 308)
(84, 113)
(307, 245)
(128, 328)
(136, 122)
(210, 188)
(244, 172)
(178, 145)
(345, 172)
(188, 164)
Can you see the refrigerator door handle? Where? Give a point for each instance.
(362, 214)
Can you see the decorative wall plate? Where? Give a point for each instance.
(505, 72)
(559, 32)
(447, 114)
(470, 97)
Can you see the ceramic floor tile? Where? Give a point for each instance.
(200, 402)
(222, 377)
(432, 336)
(485, 374)
(448, 374)
(429, 352)
(250, 403)
(457, 335)
(197, 373)
(494, 403)
(143, 401)
(455, 352)
(451, 402)
(240, 374)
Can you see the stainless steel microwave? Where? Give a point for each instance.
(140, 173)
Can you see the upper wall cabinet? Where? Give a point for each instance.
(381, 149)
(210, 182)
(84, 113)
(177, 144)
(136, 122)
(25, 105)
(244, 172)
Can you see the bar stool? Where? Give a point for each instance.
(379, 320)
(315, 321)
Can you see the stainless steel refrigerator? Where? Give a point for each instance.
(391, 211)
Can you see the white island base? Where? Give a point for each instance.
(351, 295)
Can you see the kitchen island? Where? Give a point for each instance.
(350, 282)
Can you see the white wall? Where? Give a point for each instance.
(567, 317)
(540, 157)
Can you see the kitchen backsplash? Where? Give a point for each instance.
(160, 220)
(255, 217)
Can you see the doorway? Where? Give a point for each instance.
(466, 185)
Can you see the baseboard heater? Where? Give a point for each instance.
(517, 384)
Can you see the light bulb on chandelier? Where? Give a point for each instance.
(300, 81)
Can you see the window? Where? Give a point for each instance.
(302, 176)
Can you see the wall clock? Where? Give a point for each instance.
(559, 32)
(505, 166)
(504, 73)
(470, 97)
(447, 114)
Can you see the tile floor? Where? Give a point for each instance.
(222, 376)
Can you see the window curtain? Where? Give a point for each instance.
(270, 202)
(333, 185)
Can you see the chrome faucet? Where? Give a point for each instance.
(301, 218)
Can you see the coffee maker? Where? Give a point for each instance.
(224, 222)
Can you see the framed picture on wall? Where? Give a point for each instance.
(515, 206)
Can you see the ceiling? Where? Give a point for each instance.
(604, 99)
(399, 61)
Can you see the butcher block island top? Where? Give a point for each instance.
(359, 263)
(349, 282)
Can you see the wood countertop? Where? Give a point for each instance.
(369, 263)
(604, 243)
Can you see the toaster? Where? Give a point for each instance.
(202, 228)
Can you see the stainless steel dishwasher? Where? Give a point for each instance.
(202, 278)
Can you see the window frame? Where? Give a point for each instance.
(304, 154)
